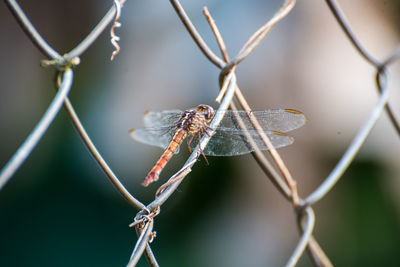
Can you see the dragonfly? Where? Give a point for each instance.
(167, 129)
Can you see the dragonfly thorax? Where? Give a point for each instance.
(192, 120)
(207, 111)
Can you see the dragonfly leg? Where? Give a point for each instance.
(208, 128)
(189, 142)
(199, 137)
(206, 132)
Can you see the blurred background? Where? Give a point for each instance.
(60, 209)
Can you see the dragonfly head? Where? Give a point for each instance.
(207, 111)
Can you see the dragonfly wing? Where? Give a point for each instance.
(160, 136)
(160, 127)
(229, 138)
(280, 120)
(161, 119)
(228, 142)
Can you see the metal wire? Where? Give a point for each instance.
(30, 30)
(354, 147)
(141, 244)
(303, 242)
(34, 137)
(97, 156)
(283, 180)
(195, 34)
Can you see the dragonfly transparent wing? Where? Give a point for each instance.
(280, 120)
(166, 118)
(230, 140)
(160, 127)
(159, 136)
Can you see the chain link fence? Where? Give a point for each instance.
(323, 78)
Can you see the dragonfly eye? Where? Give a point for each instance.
(207, 111)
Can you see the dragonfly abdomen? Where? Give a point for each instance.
(172, 147)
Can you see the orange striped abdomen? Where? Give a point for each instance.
(172, 147)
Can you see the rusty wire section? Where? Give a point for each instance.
(281, 177)
(114, 38)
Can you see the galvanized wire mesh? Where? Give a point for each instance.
(274, 166)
